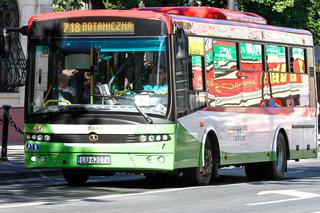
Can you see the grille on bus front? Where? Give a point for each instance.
(102, 138)
(98, 138)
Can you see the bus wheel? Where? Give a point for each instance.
(201, 176)
(275, 170)
(75, 177)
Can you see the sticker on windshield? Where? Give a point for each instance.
(142, 100)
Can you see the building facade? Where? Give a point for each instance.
(18, 12)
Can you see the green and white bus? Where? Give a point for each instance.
(171, 90)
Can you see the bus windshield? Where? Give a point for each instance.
(100, 74)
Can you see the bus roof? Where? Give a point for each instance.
(204, 21)
(219, 16)
(223, 23)
(209, 12)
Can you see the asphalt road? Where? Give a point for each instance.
(298, 192)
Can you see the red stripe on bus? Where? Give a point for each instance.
(103, 13)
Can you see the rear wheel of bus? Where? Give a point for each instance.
(273, 170)
(201, 176)
(75, 177)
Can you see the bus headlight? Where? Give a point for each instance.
(42, 158)
(33, 158)
(151, 138)
(165, 137)
(40, 137)
(143, 138)
(161, 159)
(158, 138)
(47, 138)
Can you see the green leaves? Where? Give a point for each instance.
(63, 5)
(275, 5)
(313, 19)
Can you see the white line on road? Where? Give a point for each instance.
(105, 197)
(299, 195)
(15, 205)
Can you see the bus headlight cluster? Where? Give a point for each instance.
(38, 137)
(153, 138)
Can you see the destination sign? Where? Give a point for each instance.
(100, 27)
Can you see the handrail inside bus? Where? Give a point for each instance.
(56, 101)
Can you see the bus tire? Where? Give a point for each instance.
(75, 177)
(201, 176)
(275, 170)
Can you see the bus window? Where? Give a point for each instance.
(251, 56)
(225, 55)
(298, 58)
(197, 73)
(41, 90)
(104, 66)
(197, 95)
(276, 58)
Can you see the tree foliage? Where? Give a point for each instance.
(275, 5)
(62, 5)
(313, 19)
(304, 14)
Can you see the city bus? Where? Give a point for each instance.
(168, 91)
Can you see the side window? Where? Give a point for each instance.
(276, 58)
(251, 56)
(197, 93)
(197, 53)
(41, 89)
(197, 73)
(225, 55)
(298, 60)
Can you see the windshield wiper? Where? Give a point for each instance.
(147, 117)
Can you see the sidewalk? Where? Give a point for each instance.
(13, 169)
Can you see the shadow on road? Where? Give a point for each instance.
(55, 190)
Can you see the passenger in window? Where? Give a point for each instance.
(71, 73)
(65, 91)
(96, 90)
(161, 85)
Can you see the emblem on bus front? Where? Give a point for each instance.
(93, 137)
(37, 128)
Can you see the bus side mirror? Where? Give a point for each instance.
(4, 43)
(5, 39)
(181, 44)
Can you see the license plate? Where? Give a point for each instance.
(94, 160)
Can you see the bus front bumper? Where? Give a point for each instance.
(121, 162)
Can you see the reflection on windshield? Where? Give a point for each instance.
(92, 75)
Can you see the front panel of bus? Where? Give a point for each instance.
(98, 95)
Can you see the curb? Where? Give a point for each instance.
(30, 174)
